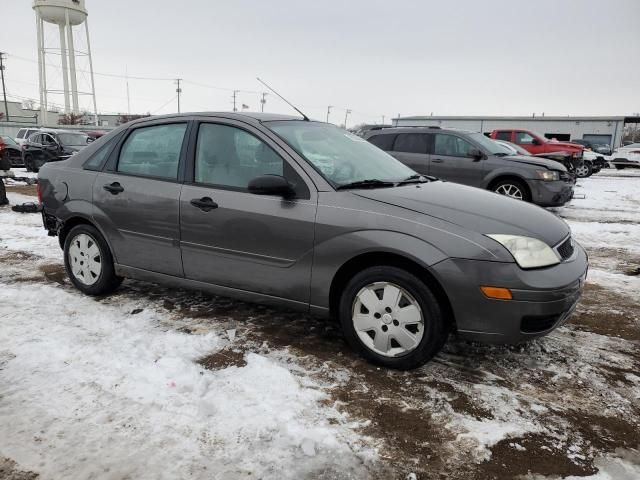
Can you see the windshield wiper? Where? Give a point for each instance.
(371, 183)
(502, 154)
(417, 178)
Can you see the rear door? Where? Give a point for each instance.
(136, 198)
(237, 239)
(412, 149)
(451, 160)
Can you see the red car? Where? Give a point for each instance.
(535, 143)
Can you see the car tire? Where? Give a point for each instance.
(584, 170)
(420, 323)
(82, 246)
(28, 163)
(3, 194)
(619, 167)
(513, 189)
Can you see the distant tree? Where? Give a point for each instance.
(29, 104)
(129, 118)
(71, 119)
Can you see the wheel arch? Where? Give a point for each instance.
(509, 176)
(75, 220)
(372, 259)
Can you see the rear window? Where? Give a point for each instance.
(21, 133)
(384, 142)
(411, 143)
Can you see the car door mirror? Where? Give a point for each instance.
(475, 153)
(271, 185)
(535, 141)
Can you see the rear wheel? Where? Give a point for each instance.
(584, 170)
(620, 167)
(513, 189)
(88, 261)
(392, 318)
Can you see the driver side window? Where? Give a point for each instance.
(523, 138)
(451, 146)
(231, 157)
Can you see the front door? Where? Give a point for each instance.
(528, 142)
(237, 239)
(136, 199)
(451, 160)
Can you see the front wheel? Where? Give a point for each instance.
(88, 261)
(584, 170)
(513, 189)
(392, 318)
(620, 167)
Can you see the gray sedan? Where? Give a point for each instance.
(304, 215)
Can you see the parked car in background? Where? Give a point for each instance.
(10, 151)
(536, 143)
(24, 133)
(51, 146)
(567, 161)
(626, 157)
(473, 159)
(284, 211)
(95, 134)
(362, 130)
(601, 148)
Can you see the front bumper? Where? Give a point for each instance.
(551, 194)
(543, 299)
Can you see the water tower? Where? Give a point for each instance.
(66, 14)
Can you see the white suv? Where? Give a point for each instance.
(25, 133)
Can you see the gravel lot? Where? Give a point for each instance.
(161, 383)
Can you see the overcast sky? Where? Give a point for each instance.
(453, 57)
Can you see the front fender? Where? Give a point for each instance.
(334, 252)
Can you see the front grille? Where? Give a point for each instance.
(566, 249)
(536, 324)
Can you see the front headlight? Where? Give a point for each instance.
(528, 252)
(548, 175)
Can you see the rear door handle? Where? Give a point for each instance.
(205, 204)
(114, 188)
(437, 160)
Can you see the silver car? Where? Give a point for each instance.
(304, 215)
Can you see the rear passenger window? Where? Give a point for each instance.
(503, 136)
(153, 151)
(384, 142)
(21, 133)
(411, 143)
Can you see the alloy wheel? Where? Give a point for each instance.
(582, 170)
(85, 259)
(510, 190)
(387, 319)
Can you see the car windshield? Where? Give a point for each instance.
(341, 157)
(494, 148)
(73, 139)
(8, 140)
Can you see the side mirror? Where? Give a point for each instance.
(535, 141)
(271, 185)
(475, 154)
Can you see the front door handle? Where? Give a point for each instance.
(114, 188)
(205, 204)
(437, 160)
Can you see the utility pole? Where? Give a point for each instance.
(126, 74)
(178, 91)
(382, 119)
(263, 101)
(328, 112)
(4, 90)
(235, 93)
(346, 114)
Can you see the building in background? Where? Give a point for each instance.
(606, 130)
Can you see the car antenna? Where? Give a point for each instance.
(286, 101)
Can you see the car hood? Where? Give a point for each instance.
(537, 161)
(74, 148)
(565, 145)
(473, 209)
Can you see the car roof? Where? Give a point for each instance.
(253, 117)
(428, 129)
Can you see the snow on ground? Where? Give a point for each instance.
(91, 390)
